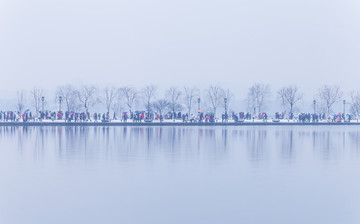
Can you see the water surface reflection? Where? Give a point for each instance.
(179, 174)
(256, 144)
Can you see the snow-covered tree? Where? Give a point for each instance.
(258, 96)
(355, 103)
(36, 95)
(173, 94)
(289, 97)
(130, 94)
(69, 95)
(160, 106)
(190, 97)
(214, 96)
(109, 94)
(87, 97)
(148, 93)
(329, 95)
(20, 101)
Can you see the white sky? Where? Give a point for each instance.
(174, 43)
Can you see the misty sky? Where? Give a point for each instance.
(233, 43)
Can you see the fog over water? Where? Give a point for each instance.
(293, 174)
(200, 174)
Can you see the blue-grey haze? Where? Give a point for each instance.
(232, 42)
(179, 174)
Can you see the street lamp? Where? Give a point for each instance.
(314, 102)
(60, 100)
(225, 101)
(198, 103)
(344, 102)
(42, 103)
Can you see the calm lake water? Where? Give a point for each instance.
(304, 174)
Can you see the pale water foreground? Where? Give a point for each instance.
(252, 174)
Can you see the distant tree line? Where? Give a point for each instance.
(117, 100)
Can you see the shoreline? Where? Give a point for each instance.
(169, 124)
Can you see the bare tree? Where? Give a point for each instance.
(36, 94)
(108, 96)
(160, 106)
(290, 96)
(20, 101)
(69, 95)
(174, 96)
(257, 96)
(227, 95)
(148, 93)
(117, 107)
(190, 97)
(87, 97)
(355, 103)
(329, 95)
(214, 95)
(130, 94)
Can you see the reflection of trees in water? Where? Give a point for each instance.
(33, 140)
(23, 136)
(256, 143)
(8, 132)
(120, 143)
(354, 137)
(179, 143)
(75, 142)
(132, 143)
(213, 144)
(330, 143)
(40, 134)
(225, 138)
(323, 143)
(287, 139)
(124, 143)
(175, 143)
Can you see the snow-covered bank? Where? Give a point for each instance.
(174, 123)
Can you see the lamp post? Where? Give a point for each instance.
(42, 103)
(314, 102)
(225, 102)
(60, 100)
(198, 103)
(344, 102)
